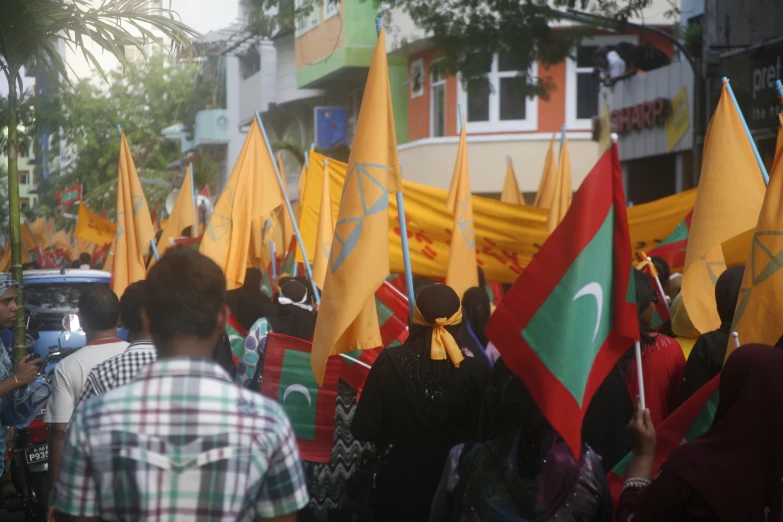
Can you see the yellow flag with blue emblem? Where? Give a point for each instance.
(359, 257)
(761, 293)
(251, 193)
(323, 239)
(134, 226)
(546, 187)
(462, 272)
(561, 200)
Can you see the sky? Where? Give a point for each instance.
(201, 15)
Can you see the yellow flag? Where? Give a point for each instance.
(462, 272)
(288, 227)
(730, 195)
(41, 231)
(85, 246)
(359, 264)
(511, 193)
(6, 258)
(323, 240)
(93, 228)
(134, 226)
(301, 185)
(563, 190)
(546, 187)
(252, 192)
(28, 238)
(761, 293)
(182, 216)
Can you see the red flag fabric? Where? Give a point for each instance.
(692, 419)
(288, 379)
(205, 191)
(672, 248)
(70, 195)
(572, 313)
(99, 258)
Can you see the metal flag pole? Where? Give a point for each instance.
(154, 250)
(779, 89)
(762, 168)
(562, 136)
(355, 361)
(290, 209)
(638, 350)
(194, 201)
(406, 254)
(274, 261)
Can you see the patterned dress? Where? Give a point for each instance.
(327, 481)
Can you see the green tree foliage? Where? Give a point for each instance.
(143, 99)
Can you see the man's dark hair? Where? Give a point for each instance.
(76, 263)
(131, 303)
(664, 272)
(186, 291)
(85, 258)
(99, 308)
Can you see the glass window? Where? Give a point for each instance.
(512, 100)
(50, 302)
(586, 95)
(24, 177)
(24, 204)
(331, 8)
(439, 110)
(506, 63)
(479, 91)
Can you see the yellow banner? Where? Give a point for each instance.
(93, 228)
(507, 235)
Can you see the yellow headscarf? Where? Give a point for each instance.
(443, 343)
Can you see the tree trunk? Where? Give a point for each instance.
(20, 347)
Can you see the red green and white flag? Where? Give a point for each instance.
(392, 309)
(236, 337)
(290, 267)
(70, 195)
(288, 379)
(572, 313)
(672, 249)
(692, 419)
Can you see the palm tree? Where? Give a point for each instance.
(30, 31)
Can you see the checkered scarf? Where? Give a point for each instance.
(6, 282)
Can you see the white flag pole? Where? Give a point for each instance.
(662, 294)
(735, 335)
(357, 361)
(638, 349)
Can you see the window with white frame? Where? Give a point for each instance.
(495, 103)
(331, 8)
(582, 88)
(416, 78)
(437, 101)
(306, 22)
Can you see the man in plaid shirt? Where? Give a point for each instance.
(181, 441)
(121, 369)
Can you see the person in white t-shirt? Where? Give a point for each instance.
(99, 311)
(609, 65)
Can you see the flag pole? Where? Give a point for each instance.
(403, 223)
(154, 250)
(307, 164)
(193, 200)
(638, 350)
(299, 240)
(762, 168)
(562, 136)
(735, 335)
(779, 89)
(274, 261)
(355, 361)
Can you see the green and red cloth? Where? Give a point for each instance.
(288, 379)
(572, 313)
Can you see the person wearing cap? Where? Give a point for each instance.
(26, 370)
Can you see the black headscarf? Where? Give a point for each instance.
(425, 380)
(476, 312)
(727, 292)
(287, 317)
(248, 303)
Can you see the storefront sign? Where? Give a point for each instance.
(645, 115)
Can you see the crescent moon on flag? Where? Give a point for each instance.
(594, 289)
(298, 388)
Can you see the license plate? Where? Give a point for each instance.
(37, 454)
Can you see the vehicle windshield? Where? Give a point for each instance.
(50, 302)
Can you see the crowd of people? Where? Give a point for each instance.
(171, 424)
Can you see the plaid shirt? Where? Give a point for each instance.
(180, 442)
(119, 370)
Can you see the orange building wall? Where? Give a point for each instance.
(551, 112)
